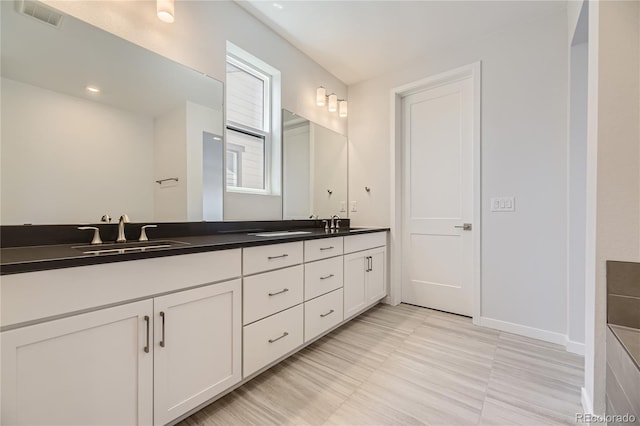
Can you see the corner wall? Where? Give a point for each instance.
(524, 130)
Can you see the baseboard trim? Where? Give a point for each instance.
(574, 347)
(523, 330)
(587, 406)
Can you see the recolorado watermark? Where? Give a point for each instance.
(608, 418)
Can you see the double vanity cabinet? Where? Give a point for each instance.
(149, 341)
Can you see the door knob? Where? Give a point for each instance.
(464, 226)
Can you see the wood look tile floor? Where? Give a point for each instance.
(405, 365)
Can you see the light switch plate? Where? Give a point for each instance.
(343, 207)
(503, 204)
(354, 206)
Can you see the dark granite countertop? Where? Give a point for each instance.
(15, 260)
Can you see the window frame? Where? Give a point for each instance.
(265, 134)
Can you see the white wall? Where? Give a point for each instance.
(577, 187)
(524, 131)
(68, 183)
(613, 167)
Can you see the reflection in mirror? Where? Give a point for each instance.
(315, 169)
(93, 124)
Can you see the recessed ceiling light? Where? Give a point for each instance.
(93, 89)
(278, 6)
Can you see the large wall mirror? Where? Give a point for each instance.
(314, 169)
(93, 124)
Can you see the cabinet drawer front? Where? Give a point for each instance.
(274, 256)
(354, 243)
(322, 248)
(269, 339)
(322, 313)
(322, 277)
(272, 292)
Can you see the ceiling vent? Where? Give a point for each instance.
(39, 11)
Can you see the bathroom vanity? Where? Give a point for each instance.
(150, 337)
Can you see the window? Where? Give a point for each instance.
(249, 130)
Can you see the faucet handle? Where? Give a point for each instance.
(106, 218)
(337, 224)
(96, 234)
(326, 225)
(143, 232)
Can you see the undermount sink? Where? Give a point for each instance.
(280, 233)
(131, 247)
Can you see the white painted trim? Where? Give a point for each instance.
(395, 237)
(586, 399)
(523, 330)
(574, 347)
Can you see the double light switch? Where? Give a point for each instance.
(503, 204)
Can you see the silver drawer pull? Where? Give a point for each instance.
(327, 277)
(327, 248)
(284, 290)
(285, 334)
(277, 257)
(327, 314)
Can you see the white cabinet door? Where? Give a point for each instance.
(376, 288)
(89, 369)
(355, 298)
(197, 347)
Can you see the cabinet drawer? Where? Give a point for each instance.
(269, 339)
(365, 241)
(322, 276)
(271, 292)
(322, 248)
(274, 256)
(322, 313)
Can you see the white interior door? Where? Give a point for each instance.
(438, 197)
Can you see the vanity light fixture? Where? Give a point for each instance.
(342, 108)
(333, 103)
(321, 96)
(166, 10)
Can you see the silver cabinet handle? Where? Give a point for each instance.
(327, 277)
(369, 264)
(464, 226)
(327, 314)
(277, 257)
(285, 334)
(146, 348)
(162, 340)
(326, 248)
(284, 290)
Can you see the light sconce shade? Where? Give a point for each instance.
(166, 10)
(321, 96)
(342, 108)
(333, 102)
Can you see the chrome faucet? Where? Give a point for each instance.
(121, 237)
(335, 222)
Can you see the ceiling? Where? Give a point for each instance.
(359, 40)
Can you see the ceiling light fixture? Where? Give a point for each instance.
(166, 10)
(333, 103)
(92, 89)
